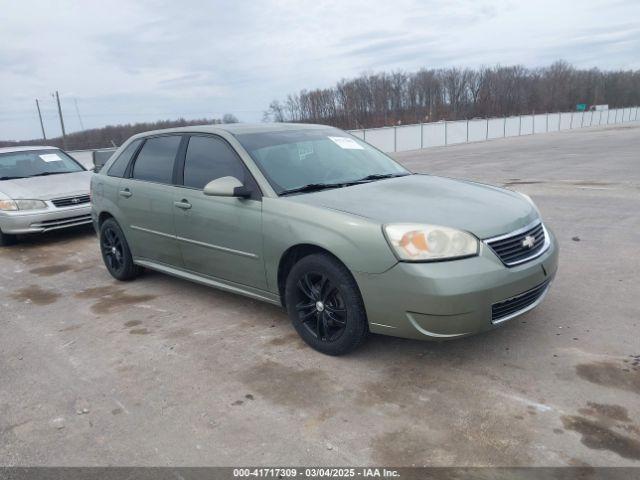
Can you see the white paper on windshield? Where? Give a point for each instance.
(346, 143)
(50, 157)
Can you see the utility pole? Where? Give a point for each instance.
(64, 135)
(40, 117)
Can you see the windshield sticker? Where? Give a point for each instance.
(50, 157)
(346, 143)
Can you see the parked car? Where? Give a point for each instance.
(314, 219)
(41, 189)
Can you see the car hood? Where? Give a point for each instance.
(483, 210)
(46, 188)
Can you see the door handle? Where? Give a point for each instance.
(183, 204)
(126, 193)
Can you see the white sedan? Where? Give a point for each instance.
(41, 189)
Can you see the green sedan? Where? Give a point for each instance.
(314, 219)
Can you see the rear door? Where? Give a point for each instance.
(145, 200)
(219, 236)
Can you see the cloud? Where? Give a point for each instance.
(138, 61)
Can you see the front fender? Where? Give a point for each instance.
(356, 241)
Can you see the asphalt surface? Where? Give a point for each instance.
(164, 372)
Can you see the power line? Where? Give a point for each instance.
(48, 114)
(75, 102)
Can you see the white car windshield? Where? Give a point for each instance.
(35, 163)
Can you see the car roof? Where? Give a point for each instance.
(26, 148)
(236, 128)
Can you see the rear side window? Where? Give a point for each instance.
(209, 158)
(119, 165)
(155, 161)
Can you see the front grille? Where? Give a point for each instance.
(63, 222)
(520, 246)
(513, 306)
(71, 201)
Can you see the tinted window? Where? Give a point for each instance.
(119, 165)
(155, 161)
(210, 158)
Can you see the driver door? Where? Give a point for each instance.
(219, 237)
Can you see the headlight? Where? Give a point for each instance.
(13, 205)
(8, 205)
(419, 243)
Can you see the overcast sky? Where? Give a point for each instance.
(125, 61)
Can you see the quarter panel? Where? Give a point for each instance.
(104, 197)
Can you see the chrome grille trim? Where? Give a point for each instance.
(71, 201)
(514, 236)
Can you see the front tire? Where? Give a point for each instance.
(325, 306)
(6, 239)
(116, 253)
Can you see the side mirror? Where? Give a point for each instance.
(226, 187)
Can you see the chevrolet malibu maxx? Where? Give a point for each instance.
(320, 222)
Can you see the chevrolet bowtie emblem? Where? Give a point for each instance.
(529, 241)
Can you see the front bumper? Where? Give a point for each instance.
(444, 300)
(39, 221)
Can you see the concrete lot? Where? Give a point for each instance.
(164, 372)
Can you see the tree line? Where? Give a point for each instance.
(114, 135)
(381, 99)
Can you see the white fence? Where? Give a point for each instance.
(439, 134)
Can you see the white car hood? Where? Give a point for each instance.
(47, 188)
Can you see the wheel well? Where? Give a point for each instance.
(103, 216)
(290, 258)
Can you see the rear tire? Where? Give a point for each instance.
(7, 239)
(325, 306)
(116, 253)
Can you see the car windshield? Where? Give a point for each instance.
(34, 163)
(312, 159)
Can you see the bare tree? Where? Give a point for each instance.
(110, 135)
(229, 118)
(378, 99)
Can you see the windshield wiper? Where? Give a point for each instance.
(378, 176)
(10, 178)
(43, 174)
(312, 187)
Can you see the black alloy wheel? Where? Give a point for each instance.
(112, 249)
(324, 304)
(320, 307)
(115, 252)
